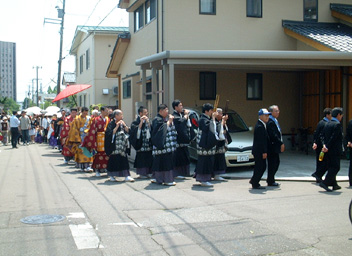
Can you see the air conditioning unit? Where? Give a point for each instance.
(115, 90)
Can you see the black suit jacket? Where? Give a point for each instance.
(333, 137)
(349, 132)
(274, 136)
(260, 140)
(318, 137)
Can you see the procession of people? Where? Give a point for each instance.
(102, 143)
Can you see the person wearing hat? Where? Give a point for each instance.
(260, 148)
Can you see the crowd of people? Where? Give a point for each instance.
(328, 145)
(101, 143)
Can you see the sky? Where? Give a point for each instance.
(38, 43)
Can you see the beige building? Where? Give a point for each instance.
(253, 53)
(92, 47)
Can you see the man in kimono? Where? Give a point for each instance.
(140, 139)
(181, 156)
(66, 150)
(94, 141)
(206, 145)
(224, 137)
(76, 137)
(117, 148)
(164, 144)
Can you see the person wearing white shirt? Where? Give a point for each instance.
(14, 124)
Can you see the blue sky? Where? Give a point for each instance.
(22, 22)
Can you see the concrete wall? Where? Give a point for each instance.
(279, 88)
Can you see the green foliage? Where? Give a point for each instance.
(52, 91)
(28, 103)
(9, 105)
(72, 101)
(95, 105)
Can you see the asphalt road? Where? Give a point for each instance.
(140, 218)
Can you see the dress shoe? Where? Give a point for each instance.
(336, 187)
(258, 187)
(324, 186)
(317, 178)
(275, 184)
(206, 184)
(170, 184)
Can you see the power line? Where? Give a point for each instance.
(92, 12)
(93, 29)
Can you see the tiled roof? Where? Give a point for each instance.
(336, 36)
(101, 28)
(345, 9)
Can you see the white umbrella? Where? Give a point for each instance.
(33, 110)
(52, 109)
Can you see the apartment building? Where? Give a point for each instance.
(8, 85)
(92, 47)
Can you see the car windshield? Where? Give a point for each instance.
(235, 123)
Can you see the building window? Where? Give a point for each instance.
(207, 85)
(254, 86)
(149, 90)
(207, 6)
(81, 64)
(88, 59)
(310, 11)
(150, 10)
(254, 8)
(138, 18)
(127, 89)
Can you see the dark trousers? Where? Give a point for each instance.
(322, 166)
(350, 170)
(45, 136)
(14, 136)
(25, 136)
(273, 166)
(333, 162)
(259, 169)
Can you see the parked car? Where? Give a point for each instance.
(239, 151)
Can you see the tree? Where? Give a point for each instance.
(9, 105)
(52, 91)
(28, 103)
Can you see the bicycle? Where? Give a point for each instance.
(350, 211)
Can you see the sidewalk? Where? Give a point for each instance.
(294, 166)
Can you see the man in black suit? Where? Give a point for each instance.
(332, 148)
(318, 138)
(260, 148)
(276, 146)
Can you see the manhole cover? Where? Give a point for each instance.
(42, 219)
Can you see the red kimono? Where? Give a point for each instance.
(95, 141)
(63, 136)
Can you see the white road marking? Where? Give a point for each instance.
(76, 215)
(84, 234)
(126, 224)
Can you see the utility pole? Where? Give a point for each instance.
(61, 14)
(37, 67)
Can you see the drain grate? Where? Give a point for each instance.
(42, 219)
